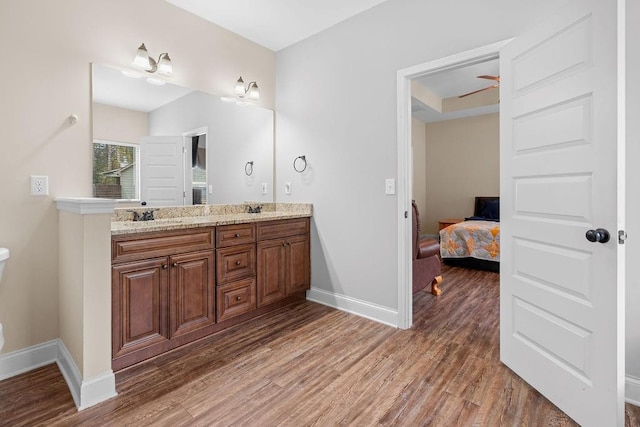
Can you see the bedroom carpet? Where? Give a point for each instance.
(308, 364)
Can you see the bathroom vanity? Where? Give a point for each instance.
(180, 278)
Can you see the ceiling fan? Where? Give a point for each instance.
(493, 86)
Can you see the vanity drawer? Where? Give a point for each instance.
(283, 228)
(236, 298)
(235, 262)
(236, 234)
(132, 247)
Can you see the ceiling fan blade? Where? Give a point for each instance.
(496, 78)
(479, 90)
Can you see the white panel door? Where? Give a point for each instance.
(559, 324)
(162, 171)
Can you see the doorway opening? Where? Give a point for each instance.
(405, 168)
(196, 183)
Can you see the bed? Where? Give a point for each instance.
(475, 242)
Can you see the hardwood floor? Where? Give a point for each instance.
(308, 364)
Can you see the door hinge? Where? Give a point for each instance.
(184, 150)
(406, 214)
(184, 194)
(622, 236)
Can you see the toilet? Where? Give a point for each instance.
(4, 256)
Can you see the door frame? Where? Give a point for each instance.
(405, 172)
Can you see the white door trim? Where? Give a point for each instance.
(469, 57)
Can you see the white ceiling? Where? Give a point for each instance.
(461, 80)
(452, 83)
(275, 24)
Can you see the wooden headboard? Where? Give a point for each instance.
(480, 203)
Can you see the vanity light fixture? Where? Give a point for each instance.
(251, 91)
(143, 61)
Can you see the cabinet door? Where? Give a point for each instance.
(298, 264)
(192, 292)
(271, 271)
(139, 306)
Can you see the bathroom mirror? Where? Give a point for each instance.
(144, 135)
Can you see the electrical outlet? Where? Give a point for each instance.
(39, 185)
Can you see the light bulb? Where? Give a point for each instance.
(164, 66)
(239, 88)
(141, 59)
(254, 92)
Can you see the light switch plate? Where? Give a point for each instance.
(39, 185)
(287, 187)
(390, 186)
(264, 188)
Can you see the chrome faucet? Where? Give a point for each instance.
(144, 216)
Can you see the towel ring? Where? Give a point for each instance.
(248, 168)
(304, 161)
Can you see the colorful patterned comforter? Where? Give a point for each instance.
(476, 239)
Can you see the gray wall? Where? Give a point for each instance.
(336, 103)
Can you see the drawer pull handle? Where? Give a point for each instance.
(175, 264)
(237, 262)
(238, 298)
(237, 234)
(165, 266)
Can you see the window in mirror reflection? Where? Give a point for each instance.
(115, 170)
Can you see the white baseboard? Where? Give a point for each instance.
(70, 372)
(632, 390)
(355, 306)
(85, 393)
(30, 358)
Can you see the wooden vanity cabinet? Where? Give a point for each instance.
(283, 252)
(170, 288)
(162, 302)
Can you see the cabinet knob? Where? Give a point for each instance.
(237, 262)
(175, 264)
(284, 243)
(165, 266)
(238, 298)
(237, 234)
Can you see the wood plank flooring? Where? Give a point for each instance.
(308, 364)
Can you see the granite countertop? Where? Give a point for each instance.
(206, 216)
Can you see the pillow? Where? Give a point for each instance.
(491, 210)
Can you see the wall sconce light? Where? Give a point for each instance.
(143, 61)
(251, 91)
